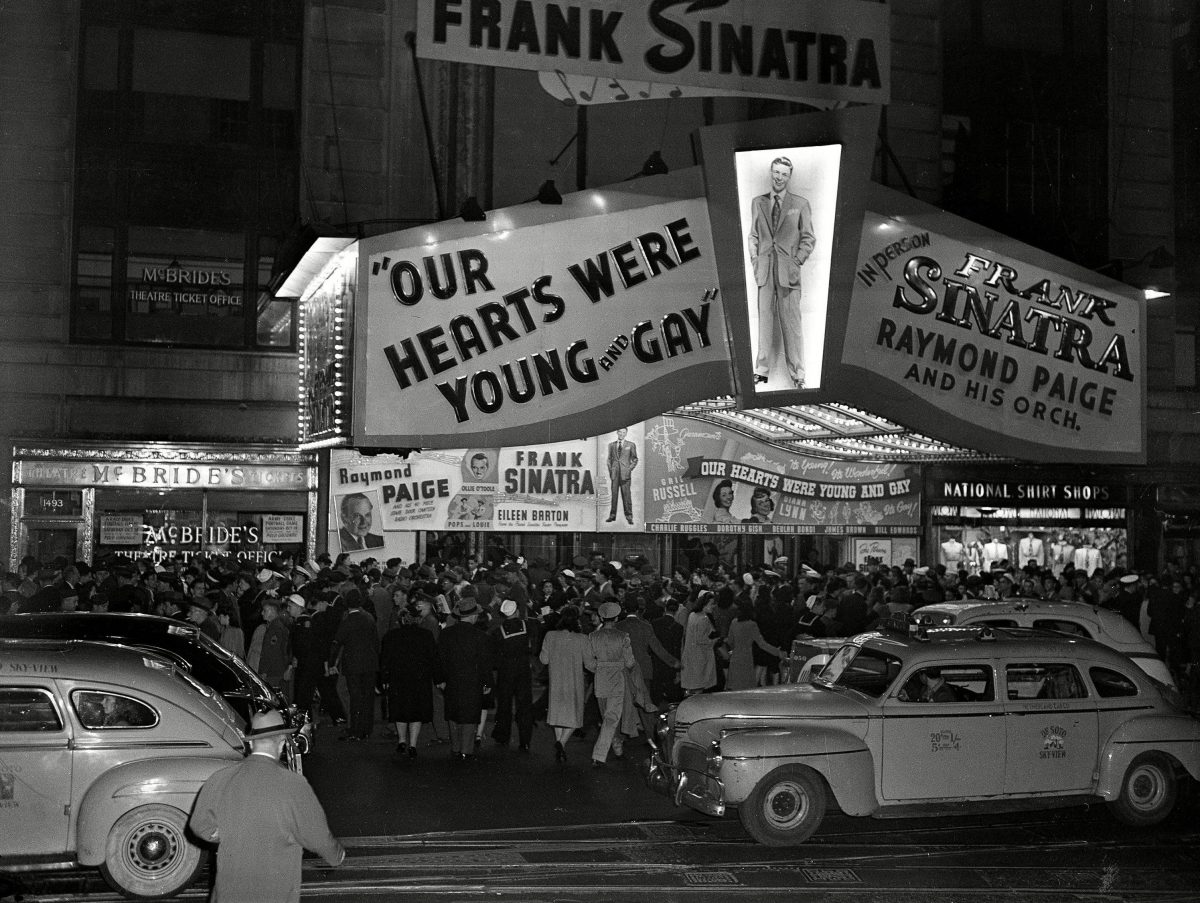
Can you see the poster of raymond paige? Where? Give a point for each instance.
(702, 479)
(994, 345)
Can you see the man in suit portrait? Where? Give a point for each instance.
(622, 459)
(357, 514)
(781, 240)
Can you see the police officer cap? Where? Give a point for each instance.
(609, 611)
(508, 608)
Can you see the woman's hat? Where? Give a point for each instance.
(270, 723)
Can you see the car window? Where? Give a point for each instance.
(1029, 680)
(996, 622)
(867, 670)
(1110, 684)
(1072, 627)
(111, 711)
(27, 709)
(949, 683)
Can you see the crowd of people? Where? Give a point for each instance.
(486, 646)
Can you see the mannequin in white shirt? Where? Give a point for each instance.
(994, 551)
(1087, 556)
(1031, 548)
(1061, 551)
(952, 553)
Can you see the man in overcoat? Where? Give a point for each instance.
(263, 817)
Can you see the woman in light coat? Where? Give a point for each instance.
(563, 651)
(699, 658)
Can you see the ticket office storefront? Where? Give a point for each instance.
(82, 502)
(975, 518)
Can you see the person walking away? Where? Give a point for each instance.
(465, 663)
(699, 660)
(407, 667)
(647, 652)
(564, 651)
(262, 817)
(609, 656)
(326, 619)
(515, 640)
(744, 636)
(355, 653)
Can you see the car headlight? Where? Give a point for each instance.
(714, 758)
(662, 730)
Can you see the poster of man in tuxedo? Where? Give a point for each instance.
(787, 199)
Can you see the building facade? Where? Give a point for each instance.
(160, 159)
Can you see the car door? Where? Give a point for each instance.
(1052, 726)
(35, 770)
(949, 745)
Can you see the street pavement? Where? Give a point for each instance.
(513, 826)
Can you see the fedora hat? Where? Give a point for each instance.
(270, 723)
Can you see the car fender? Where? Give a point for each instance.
(138, 783)
(1176, 736)
(839, 756)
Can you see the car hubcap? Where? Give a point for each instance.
(1147, 788)
(152, 848)
(786, 805)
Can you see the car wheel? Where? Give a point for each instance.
(1148, 791)
(148, 855)
(785, 807)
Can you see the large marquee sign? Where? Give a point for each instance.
(984, 342)
(641, 49)
(538, 332)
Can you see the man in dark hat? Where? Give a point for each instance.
(465, 656)
(200, 613)
(262, 817)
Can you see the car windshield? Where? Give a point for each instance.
(868, 671)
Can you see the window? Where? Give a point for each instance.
(867, 670)
(949, 683)
(1041, 681)
(26, 710)
(186, 172)
(1111, 684)
(98, 711)
(1074, 628)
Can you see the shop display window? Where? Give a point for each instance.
(1044, 547)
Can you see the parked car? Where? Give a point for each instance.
(103, 749)
(945, 719)
(809, 654)
(185, 644)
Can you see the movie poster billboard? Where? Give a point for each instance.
(537, 332)
(703, 479)
(543, 488)
(981, 341)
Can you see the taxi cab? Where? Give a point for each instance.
(183, 643)
(103, 750)
(944, 719)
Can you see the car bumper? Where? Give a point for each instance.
(686, 787)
